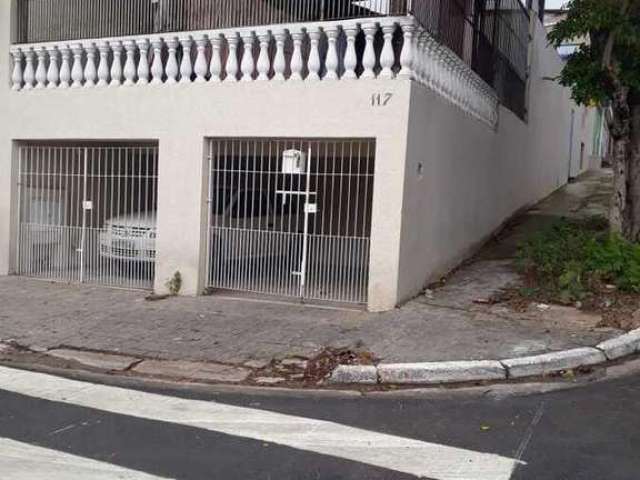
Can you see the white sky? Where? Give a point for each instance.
(554, 3)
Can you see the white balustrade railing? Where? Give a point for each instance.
(389, 48)
(441, 70)
(322, 51)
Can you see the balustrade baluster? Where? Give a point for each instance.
(157, 69)
(103, 65)
(171, 67)
(215, 66)
(424, 51)
(279, 61)
(331, 63)
(53, 74)
(313, 64)
(369, 56)
(77, 72)
(387, 56)
(186, 68)
(232, 59)
(130, 63)
(263, 65)
(90, 71)
(16, 76)
(41, 70)
(201, 67)
(143, 62)
(296, 57)
(350, 56)
(436, 69)
(29, 72)
(116, 64)
(247, 65)
(407, 53)
(65, 67)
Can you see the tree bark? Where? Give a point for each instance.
(631, 230)
(620, 136)
(625, 132)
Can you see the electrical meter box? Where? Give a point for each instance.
(294, 162)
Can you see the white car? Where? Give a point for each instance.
(130, 237)
(133, 237)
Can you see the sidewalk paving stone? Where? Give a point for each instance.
(102, 361)
(450, 324)
(179, 369)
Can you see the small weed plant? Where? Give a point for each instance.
(174, 285)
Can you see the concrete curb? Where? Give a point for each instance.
(441, 372)
(540, 365)
(621, 346)
(429, 373)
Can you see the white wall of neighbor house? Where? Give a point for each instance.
(586, 124)
(463, 180)
(180, 117)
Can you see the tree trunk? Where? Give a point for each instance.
(625, 132)
(631, 228)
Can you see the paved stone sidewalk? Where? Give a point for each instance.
(447, 324)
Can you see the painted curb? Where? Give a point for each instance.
(427, 373)
(540, 365)
(441, 372)
(621, 346)
(362, 374)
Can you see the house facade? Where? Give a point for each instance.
(590, 143)
(335, 151)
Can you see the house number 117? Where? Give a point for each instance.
(380, 99)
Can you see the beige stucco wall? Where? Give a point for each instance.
(473, 178)
(181, 117)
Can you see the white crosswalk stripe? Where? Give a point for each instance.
(422, 459)
(21, 461)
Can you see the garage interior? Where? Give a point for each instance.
(88, 212)
(291, 217)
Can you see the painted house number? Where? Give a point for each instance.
(380, 99)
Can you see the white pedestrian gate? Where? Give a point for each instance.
(291, 217)
(88, 213)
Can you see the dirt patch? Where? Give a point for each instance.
(321, 366)
(313, 371)
(619, 310)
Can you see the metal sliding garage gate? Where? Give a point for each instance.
(88, 213)
(291, 217)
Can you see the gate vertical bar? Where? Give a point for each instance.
(305, 234)
(83, 232)
(209, 261)
(19, 226)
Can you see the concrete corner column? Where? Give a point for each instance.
(181, 245)
(386, 223)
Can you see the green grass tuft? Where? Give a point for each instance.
(572, 259)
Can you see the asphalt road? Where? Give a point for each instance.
(54, 428)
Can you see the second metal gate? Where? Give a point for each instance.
(291, 217)
(88, 213)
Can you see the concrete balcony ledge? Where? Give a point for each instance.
(293, 53)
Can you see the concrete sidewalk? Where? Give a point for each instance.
(448, 323)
